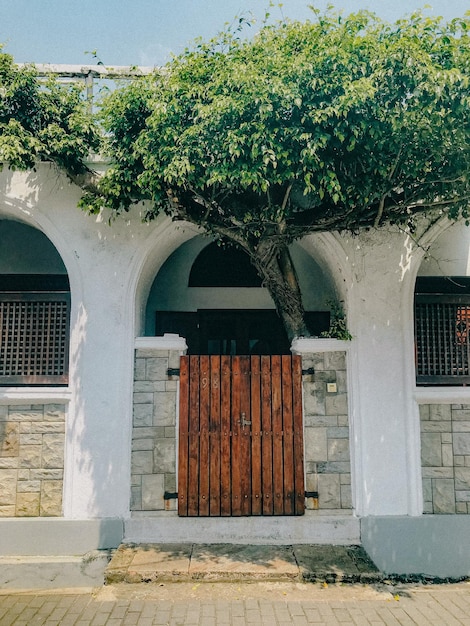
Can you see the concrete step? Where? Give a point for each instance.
(137, 563)
(51, 572)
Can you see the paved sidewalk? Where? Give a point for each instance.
(239, 604)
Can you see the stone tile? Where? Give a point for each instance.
(440, 412)
(337, 433)
(156, 368)
(9, 439)
(462, 496)
(31, 456)
(460, 426)
(443, 496)
(330, 421)
(51, 498)
(337, 404)
(461, 443)
(314, 399)
(28, 485)
(436, 427)
(27, 504)
(447, 455)
(143, 415)
(461, 414)
(53, 451)
(316, 448)
(164, 410)
(346, 497)
(142, 462)
(165, 456)
(437, 472)
(334, 467)
(338, 450)
(335, 360)
(462, 478)
(143, 397)
(8, 478)
(153, 489)
(431, 450)
(329, 491)
(139, 369)
(424, 412)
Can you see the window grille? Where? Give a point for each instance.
(442, 330)
(34, 337)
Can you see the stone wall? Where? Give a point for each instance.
(326, 431)
(154, 434)
(154, 453)
(31, 460)
(445, 457)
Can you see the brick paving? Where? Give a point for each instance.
(233, 604)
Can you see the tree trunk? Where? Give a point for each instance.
(276, 269)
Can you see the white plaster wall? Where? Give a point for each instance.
(449, 254)
(170, 291)
(100, 261)
(111, 271)
(379, 280)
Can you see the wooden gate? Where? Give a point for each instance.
(240, 436)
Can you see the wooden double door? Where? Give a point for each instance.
(240, 436)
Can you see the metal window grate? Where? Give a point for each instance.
(34, 333)
(442, 326)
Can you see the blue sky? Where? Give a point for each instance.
(146, 32)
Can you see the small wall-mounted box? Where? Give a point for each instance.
(331, 387)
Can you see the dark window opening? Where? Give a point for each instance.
(442, 325)
(234, 331)
(217, 266)
(34, 329)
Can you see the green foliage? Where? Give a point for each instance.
(42, 120)
(336, 123)
(338, 328)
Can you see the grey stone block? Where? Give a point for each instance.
(316, 448)
(164, 456)
(143, 415)
(329, 491)
(338, 449)
(335, 360)
(431, 450)
(142, 462)
(462, 478)
(440, 412)
(156, 369)
(164, 410)
(461, 443)
(153, 489)
(443, 496)
(337, 404)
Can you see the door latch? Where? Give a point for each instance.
(243, 421)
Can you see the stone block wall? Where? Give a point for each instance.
(154, 453)
(445, 457)
(31, 460)
(154, 433)
(326, 431)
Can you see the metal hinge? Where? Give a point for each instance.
(170, 495)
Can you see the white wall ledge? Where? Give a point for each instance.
(35, 395)
(305, 345)
(167, 342)
(440, 395)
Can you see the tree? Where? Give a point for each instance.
(330, 125)
(43, 120)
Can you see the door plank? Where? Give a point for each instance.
(299, 508)
(183, 452)
(226, 436)
(278, 435)
(288, 427)
(267, 438)
(236, 434)
(214, 436)
(245, 435)
(193, 453)
(256, 437)
(204, 459)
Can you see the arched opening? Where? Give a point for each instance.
(214, 298)
(442, 311)
(34, 308)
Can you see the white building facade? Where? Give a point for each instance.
(386, 458)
